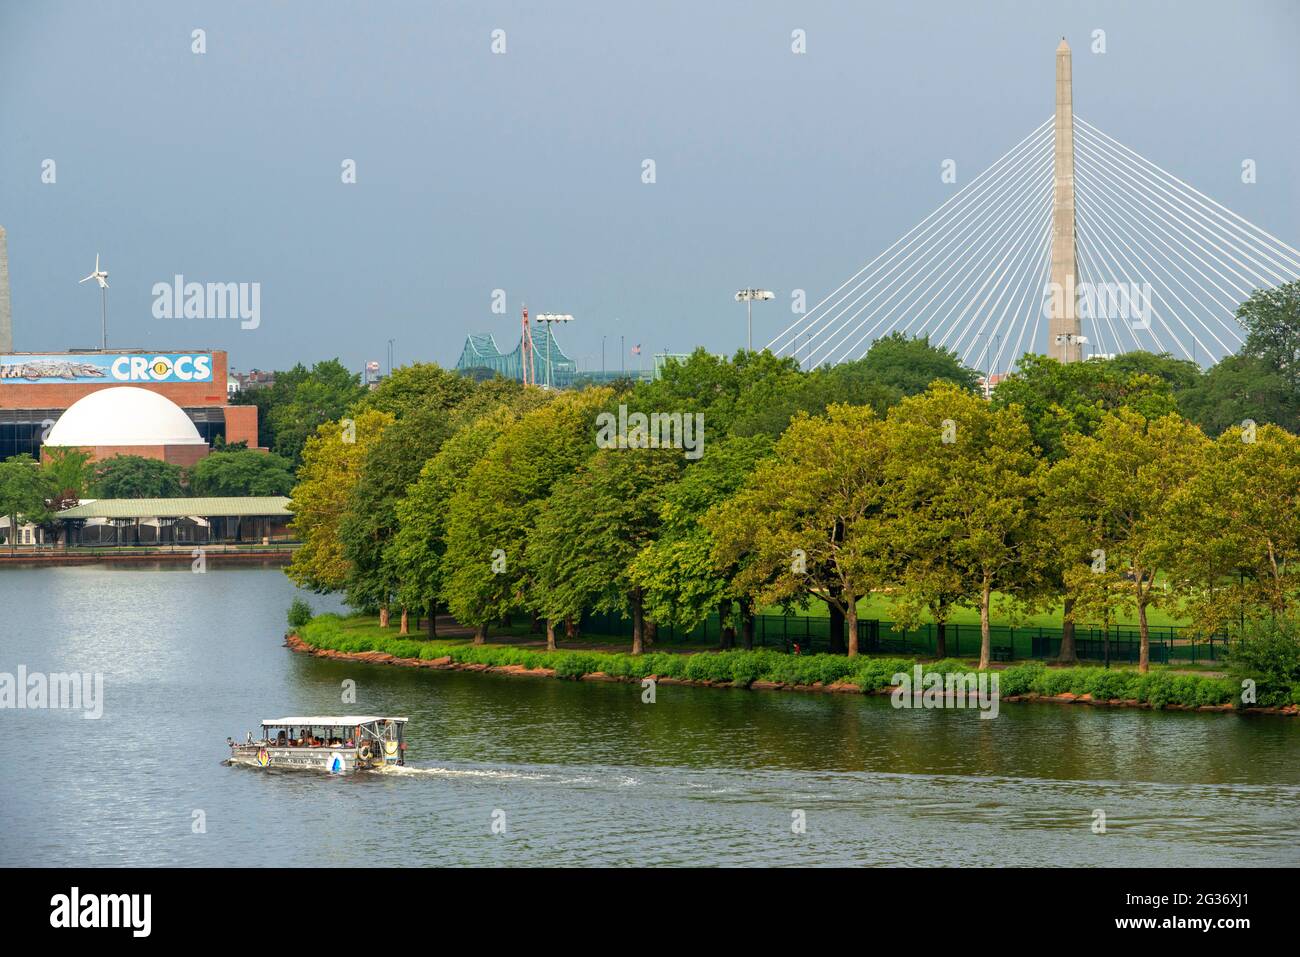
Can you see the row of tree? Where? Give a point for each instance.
(1079, 484)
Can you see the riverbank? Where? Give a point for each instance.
(325, 636)
(184, 555)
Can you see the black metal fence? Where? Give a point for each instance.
(1169, 643)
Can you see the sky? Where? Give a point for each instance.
(523, 171)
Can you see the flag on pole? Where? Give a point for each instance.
(636, 349)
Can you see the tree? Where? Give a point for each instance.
(1062, 399)
(961, 498)
(132, 476)
(70, 473)
(910, 364)
(1271, 318)
(242, 472)
(391, 464)
(1240, 388)
(331, 465)
(301, 401)
(678, 579)
(806, 524)
(1238, 525)
(417, 386)
(1116, 488)
(584, 540)
(490, 515)
(23, 492)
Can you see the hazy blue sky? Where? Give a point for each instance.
(523, 171)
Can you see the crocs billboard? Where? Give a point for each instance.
(121, 368)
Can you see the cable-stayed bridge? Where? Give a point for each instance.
(1070, 244)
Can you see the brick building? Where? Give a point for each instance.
(36, 389)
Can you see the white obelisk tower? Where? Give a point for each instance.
(6, 317)
(1063, 328)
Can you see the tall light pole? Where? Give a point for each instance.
(747, 296)
(550, 318)
(390, 357)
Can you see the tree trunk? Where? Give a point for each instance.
(570, 628)
(535, 627)
(747, 623)
(837, 624)
(505, 621)
(383, 617)
(1069, 654)
(727, 636)
(480, 634)
(433, 620)
(405, 628)
(638, 621)
(986, 645)
(550, 634)
(1144, 648)
(651, 633)
(941, 637)
(852, 604)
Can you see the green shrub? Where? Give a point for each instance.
(1105, 685)
(1268, 653)
(1020, 679)
(299, 614)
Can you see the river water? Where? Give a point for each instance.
(522, 771)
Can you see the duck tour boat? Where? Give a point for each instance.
(336, 745)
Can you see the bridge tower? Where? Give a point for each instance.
(1064, 339)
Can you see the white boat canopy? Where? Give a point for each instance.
(327, 721)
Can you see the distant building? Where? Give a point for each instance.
(38, 389)
(255, 379)
(164, 521)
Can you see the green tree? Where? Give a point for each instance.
(301, 401)
(24, 490)
(910, 364)
(331, 466)
(417, 386)
(590, 529)
(962, 483)
(807, 522)
(1240, 388)
(1115, 488)
(490, 515)
(1238, 524)
(391, 464)
(242, 472)
(675, 572)
(416, 550)
(1063, 399)
(131, 476)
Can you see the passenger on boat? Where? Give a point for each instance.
(280, 739)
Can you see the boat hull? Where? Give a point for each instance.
(329, 760)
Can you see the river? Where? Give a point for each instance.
(522, 771)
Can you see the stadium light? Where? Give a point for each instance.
(748, 297)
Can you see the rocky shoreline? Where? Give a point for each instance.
(296, 644)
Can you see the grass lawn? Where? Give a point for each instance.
(367, 627)
(881, 607)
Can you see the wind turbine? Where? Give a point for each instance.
(101, 276)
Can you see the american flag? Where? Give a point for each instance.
(636, 349)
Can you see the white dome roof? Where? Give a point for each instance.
(124, 415)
